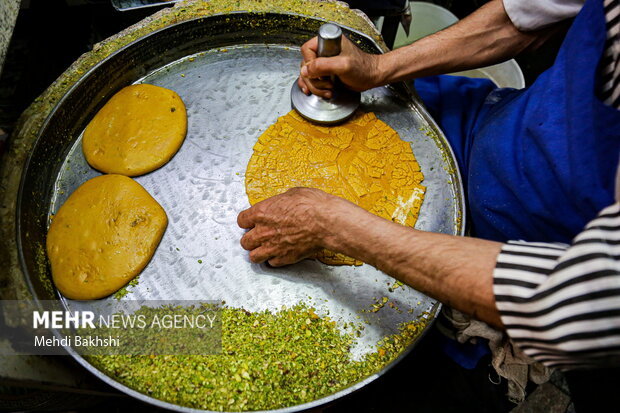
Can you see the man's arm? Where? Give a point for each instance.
(457, 271)
(559, 303)
(485, 37)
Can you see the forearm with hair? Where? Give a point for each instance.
(457, 271)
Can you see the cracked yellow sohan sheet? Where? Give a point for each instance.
(363, 160)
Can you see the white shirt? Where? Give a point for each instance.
(536, 14)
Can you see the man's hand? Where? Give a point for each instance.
(292, 226)
(285, 228)
(483, 38)
(356, 69)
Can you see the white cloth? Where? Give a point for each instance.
(536, 14)
(507, 360)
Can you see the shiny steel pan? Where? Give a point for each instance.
(234, 72)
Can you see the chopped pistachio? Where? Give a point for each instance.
(278, 369)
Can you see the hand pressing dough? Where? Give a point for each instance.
(137, 131)
(363, 160)
(103, 236)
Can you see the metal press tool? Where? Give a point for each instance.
(343, 102)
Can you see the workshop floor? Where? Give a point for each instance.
(424, 381)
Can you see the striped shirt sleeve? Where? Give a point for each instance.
(560, 304)
(610, 62)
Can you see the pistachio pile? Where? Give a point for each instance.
(269, 360)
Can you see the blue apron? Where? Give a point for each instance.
(537, 163)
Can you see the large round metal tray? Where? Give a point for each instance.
(234, 76)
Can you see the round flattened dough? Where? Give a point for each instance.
(137, 131)
(103, 236)
(363, 160)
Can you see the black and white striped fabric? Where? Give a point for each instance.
(610, 65)
(560, 304)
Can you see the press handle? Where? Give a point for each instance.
(343, 102)
(330, 36)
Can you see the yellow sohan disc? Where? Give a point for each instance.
(363, 160)
(137, 131)
(103, 236)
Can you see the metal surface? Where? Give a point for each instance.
(329, 40)
(234, 78)
(337, 109)
(343, 102)
(123, 5)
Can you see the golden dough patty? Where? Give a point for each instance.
(103, 236)
(137, 131)
(363, 160)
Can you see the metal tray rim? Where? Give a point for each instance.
(128, 390)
